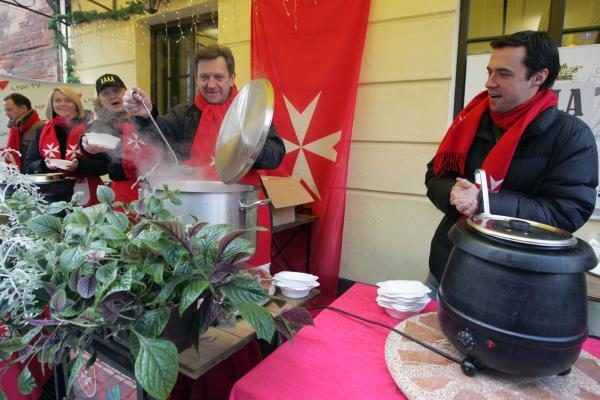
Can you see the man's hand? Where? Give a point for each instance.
(465, 197)
(132, 102)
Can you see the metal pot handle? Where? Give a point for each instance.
(249, 206)
(481, 179)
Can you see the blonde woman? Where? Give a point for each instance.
(58, 139)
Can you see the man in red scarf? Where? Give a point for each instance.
(542, 164)
(192, 131)
(22, 124)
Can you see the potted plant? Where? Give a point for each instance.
(70, 274)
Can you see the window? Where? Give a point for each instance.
(568, 22)
(174, 45)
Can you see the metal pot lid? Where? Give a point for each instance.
(244, 130)
(46, 178)
(521, 231)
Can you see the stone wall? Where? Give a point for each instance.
(26, 44)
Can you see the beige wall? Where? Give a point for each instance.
(402, 111)
(123, 47)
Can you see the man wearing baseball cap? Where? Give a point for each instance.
(125, 161)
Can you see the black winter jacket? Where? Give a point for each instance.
(179, 127)
(552, 178)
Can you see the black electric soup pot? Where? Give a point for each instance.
(513, 296)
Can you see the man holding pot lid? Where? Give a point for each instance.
(541, 163)
(192, 129)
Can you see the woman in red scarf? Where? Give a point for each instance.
(132, 157)
(58, 139)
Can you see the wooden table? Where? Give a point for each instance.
(228, 341)
(302, 223)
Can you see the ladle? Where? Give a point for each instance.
(157, 128)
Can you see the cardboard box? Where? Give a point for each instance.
(285, 193)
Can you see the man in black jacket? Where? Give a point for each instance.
(542, 163)
(183, 125)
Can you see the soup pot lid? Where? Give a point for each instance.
(47, 178)
(521, 231)
(244, 130)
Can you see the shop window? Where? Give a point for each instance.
(174, 45)
(568, 22)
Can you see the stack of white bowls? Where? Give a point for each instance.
(402, 299)
(295, 284)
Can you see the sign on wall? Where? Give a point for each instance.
(37, 92)
(578, 92)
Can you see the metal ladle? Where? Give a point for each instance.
(481, 179)
(157, 127)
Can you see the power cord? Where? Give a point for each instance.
(467, 365)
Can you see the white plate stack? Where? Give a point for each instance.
(402, 299)
(295, 284)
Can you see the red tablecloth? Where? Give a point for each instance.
(340, 358)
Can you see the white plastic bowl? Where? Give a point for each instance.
(400, 300)
(294, 285)
(404, 289)
(294, 293)
(102, 139)
(400, 314)
(59, 163)
(403, 306)
(295, 277)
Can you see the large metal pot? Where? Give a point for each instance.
(513, 295)
(216, 203)
(54, 186)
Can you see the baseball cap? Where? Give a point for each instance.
(107, 80)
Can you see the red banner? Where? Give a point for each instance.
(311, 51)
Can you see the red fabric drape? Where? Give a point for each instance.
(311, 52)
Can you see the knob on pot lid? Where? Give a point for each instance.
(521, 231)
(244, 130)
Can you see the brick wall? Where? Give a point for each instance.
(26, 44)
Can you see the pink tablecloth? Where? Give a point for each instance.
(340, 358)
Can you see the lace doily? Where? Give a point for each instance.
(421, 374)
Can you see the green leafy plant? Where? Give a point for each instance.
(69, 275)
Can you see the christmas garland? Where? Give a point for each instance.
(80, 17)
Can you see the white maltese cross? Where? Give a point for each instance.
(135, 141)
(73, 151)
(50, 150)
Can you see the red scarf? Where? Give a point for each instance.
(452, 153)
(202, 153)
(134, 153)
(14, 136)
(49, 147)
